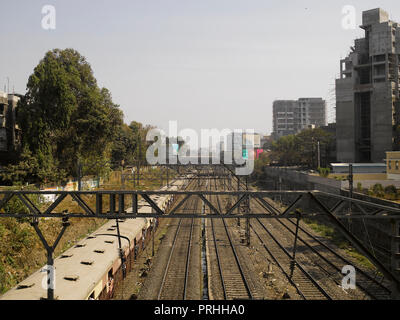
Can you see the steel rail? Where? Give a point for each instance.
(167, 268)
(301, 268)
(315, 283)
(348, 262)
(188, 260)
(240, 268)
(359, 271)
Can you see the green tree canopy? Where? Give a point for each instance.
(300, 149)
(65, 116)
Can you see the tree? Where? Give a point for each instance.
(259, 164)
(64, 116)
(124, 146)
(139, 134)
(286, 151)
(130, 143)
(308, 144)
(301, 149)
(28, 170)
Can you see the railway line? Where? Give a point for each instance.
(305, 284)
(175, 280)
(332, 262)
(328, 261)
(313, 269)
(318, 267)
(233, 279)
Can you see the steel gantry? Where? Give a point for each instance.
(313, 203)
(298, 204)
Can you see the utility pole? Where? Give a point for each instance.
(139, 156)
(247, 212)
(79, 176)
(319, 155)
(167, 177)
(238, 198)
(351, 179)
(153, 230)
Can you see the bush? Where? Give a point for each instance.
(391, 190)
(391, 193)
(377, 191)
(324, 172)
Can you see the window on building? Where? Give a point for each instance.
(1, 109)
(380, 70)
(390, 165)
(379, 58)
(397, 165)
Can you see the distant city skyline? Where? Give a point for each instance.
(209, 64)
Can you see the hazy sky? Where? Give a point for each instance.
(205, 63)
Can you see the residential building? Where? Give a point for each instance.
(294, 116)
(367, 93)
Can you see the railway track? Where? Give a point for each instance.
(315, 272)
(234, 283)
(175, 279)
(328, 261)
(332, 263)
(305, 284)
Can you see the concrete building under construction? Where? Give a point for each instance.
(367, 93)
(10, 134)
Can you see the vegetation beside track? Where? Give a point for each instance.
(329, 232)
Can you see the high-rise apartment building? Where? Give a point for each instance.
(293, 116)
(367, 93)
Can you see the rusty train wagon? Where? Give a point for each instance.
(91, 269)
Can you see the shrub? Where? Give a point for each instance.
(391, 189)
(324, 172)
(391, 193)
(377, 190)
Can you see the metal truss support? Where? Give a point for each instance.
(50, 254)
(117, 201)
